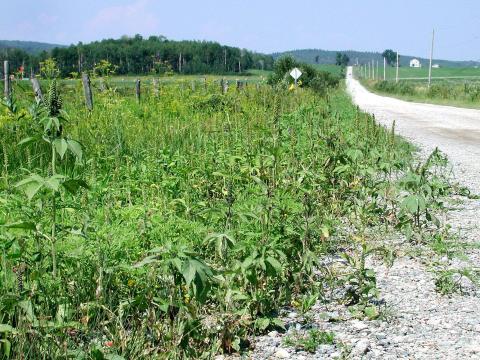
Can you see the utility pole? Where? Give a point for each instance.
(225, 58)
(8, 86)
(431, 59)
(384, 69)
(398, 61)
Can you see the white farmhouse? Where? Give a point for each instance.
(415, 63)
(436, 66)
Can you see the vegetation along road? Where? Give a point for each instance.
(429, 325)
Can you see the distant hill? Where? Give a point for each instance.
(31, 47)
(328, 57)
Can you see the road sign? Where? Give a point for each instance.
(295, 73)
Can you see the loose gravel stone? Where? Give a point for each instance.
(282, 354)
(361, 348)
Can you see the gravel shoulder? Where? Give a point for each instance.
(421, 323)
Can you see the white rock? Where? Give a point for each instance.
(361, 347)
(358, 325)
(475, 349)
(282, 354)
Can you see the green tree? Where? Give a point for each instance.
(390, 56)
(341, 59)
(104, 69)
(49, 69)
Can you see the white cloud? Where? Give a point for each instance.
(113, 21)
(45, 19)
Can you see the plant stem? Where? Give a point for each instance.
(54, 218)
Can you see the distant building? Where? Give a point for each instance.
(436, 66)
(415, 63)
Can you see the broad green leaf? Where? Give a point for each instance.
(76, 148)
(189, 270)
(247, 262)
(262, 323)
(5, 328)
(31, 185)
(56, 122)
(148, 260)
(27, 307)
(54, 182)
(21, 225)
(27, 141)
(72, 185)
(61, 147)
(275, 264)
(279, 323)
(371, 312)
(370, 273)
(411, 204)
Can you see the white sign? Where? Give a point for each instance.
(295, 73)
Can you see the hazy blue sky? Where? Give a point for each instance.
(265, 26)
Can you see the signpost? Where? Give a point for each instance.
(295, 74)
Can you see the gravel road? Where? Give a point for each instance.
(423, 324)
(455, 131)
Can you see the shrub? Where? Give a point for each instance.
(319, 81)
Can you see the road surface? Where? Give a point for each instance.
(455, 131)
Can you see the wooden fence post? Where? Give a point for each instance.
(87, 90)
(137, 89)
(225, 86)
(205, 83)
(155, 86)
(8, 86)
(37, 90)
(103, 86)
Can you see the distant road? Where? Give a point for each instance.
(455, 131)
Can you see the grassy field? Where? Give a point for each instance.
(442, 92)
(178, 226)
(450, 86)
(412, 73)
(333, 69)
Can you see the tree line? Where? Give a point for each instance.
(136, 55)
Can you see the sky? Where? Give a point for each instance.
(264, 26)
